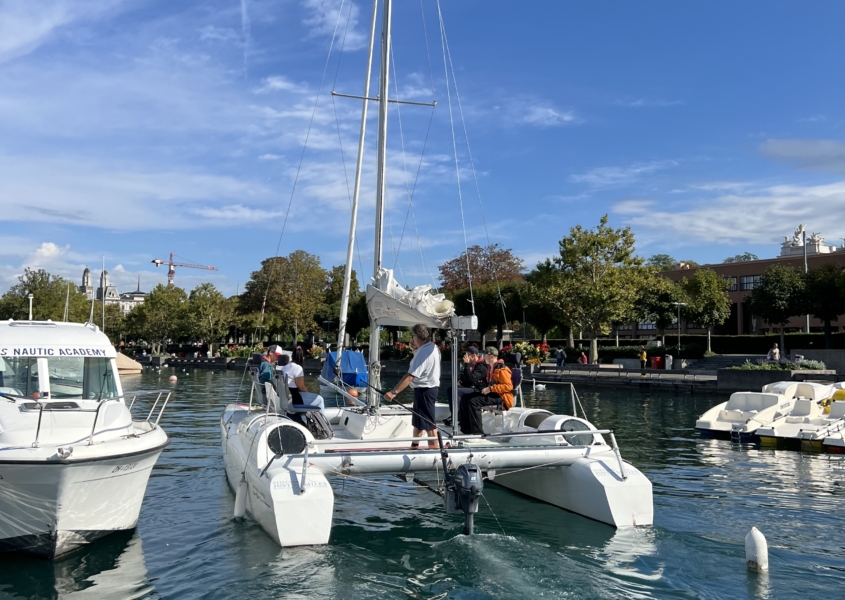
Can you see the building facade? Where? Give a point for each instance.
(743, 277)
(108, 293)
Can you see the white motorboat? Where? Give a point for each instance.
(74, 465)
(740, 417)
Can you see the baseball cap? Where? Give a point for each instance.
(472, 350)
(491, 350)
(274, 349)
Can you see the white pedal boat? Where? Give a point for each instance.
(74, 465)
(745, 412)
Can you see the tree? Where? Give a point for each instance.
(211, 314)
(657, 303)
(491, 309)
(161, 318)
(49, 294)
(745, 257)
(599, 280)
(824, 297)
(486, 265)
(778, 297)
(662, 262)
(329, 310)
(708, 303)
(295, 289)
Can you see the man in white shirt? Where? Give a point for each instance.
(424, 378)
(295, 377)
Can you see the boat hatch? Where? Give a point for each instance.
(286, 439)
(534, 419)
(580, 439)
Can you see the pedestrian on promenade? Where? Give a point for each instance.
(643, 356)
(774, 354)
(560, 356)
(424, 378)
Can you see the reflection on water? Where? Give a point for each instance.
(112, 568)
(400, 543)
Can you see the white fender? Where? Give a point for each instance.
(756, 551)
(240, 499)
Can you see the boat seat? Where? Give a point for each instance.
(284, 403)
(748, 401)
(837, 410)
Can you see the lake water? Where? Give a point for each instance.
(390, 542)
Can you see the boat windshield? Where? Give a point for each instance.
(19, 376)
(82, 378)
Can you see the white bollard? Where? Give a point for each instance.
(756, 551)
(240, 499)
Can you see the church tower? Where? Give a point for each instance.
(86, 287)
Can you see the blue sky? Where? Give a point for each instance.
(132, 129)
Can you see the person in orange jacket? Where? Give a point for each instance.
(499, 390)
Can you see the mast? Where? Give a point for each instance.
(375, 366)
(347, 274)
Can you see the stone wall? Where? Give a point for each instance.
(832, 359)
(740, 380)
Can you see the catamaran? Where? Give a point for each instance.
(74, 465)
(280, 457)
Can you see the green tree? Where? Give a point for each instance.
(49, 294)
(599, 280)
(778, 297)
(707, 301)
(210, 313)
(329, 311)
(745, 257)
(662, 262)
(486, 265)
(295, 288)
(161, 318)
(657, 303)
(492, 304)
(824, 297)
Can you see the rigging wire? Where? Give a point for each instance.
(455, 150)
(299, 167)
(448, 54)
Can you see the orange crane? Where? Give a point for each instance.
(171, 271)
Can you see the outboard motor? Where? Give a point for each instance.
(463, 489)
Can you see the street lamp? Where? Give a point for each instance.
(30, 297)
(679, 305)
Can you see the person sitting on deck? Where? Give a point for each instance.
(295, 377)
(500, 390)
(265, 367)
(473, 378)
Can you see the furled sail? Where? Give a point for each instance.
(390, 304)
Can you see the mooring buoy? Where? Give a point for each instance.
(756, 551)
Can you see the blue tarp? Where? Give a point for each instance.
(353, 368)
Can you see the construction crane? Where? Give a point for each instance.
(171, 267)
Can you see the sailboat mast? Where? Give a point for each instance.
(347, 274)
(375, 368)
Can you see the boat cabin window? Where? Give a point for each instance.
(84, 378)
(19, 375)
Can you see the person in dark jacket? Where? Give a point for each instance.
(473, 377)
(499, 391)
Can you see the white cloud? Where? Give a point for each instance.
(546, 116)
(219, 34)
(813, 119)
(278, 83)
(270, 157)
(27, 24)
(323, 20)
(762, 216)
(615, 176)
(648, 103)
(820, 155)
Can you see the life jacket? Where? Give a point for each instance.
(502, 384)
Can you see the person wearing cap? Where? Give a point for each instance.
(265, 367)
(424, 378)
(499, 391)
(294, 377)
(473, 378)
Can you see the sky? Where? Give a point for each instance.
(130, 129)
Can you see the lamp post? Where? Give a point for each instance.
(30, 297)
(804, 243)
(679, 305)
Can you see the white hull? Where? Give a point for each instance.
(586, 479)
(51, 508)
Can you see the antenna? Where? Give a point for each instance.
(103, 288)
(67, 301)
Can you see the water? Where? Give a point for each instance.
(397, 542)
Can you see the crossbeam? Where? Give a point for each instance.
(389, 100)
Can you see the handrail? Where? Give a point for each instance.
(465, 437)
(38, 428)
(161, 410)
(96, 416)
